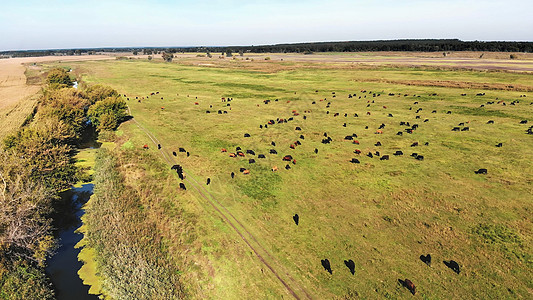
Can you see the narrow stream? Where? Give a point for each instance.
(64, 265)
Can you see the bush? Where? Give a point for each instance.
(99, 92)
(267, 58)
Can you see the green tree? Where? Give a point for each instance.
(108, 113)
(99, 92)
(58, 78)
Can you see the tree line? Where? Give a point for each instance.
(36, 164)
(427, 45)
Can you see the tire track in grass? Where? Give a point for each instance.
(228, 216)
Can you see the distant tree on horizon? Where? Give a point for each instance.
(167, 56)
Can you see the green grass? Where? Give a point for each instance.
(381, 214)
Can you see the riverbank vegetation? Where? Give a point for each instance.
(37, 162)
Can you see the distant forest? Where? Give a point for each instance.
(354, 46)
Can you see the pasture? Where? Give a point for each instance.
(381, 214)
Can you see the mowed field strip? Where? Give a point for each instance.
(382, 214)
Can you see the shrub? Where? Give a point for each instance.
(108, 113)
(58, 78)
(267, 58)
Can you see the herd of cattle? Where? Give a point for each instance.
(250, 155)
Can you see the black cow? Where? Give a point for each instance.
(251, 161)
(273, 143)
(355, 161)
(377, 144)
(208, 181)
(188, 154)
(419, 157)
(408, 284)
(426, 259)
(390, 116)
(370, 154)
(499, 145)
(414, 144)
(182, 186)
(523, 122)
(452, 264)
(246, 135)
(261, 156)
(326, 265)
(232, 175)
(481, 171)
(449, 112)
(287, 167)
(242, 169)
(351, 265)
(399, 133)
(316, 151)
(273, 151)
(376, 153)
(456, 129)
(466, 129)
(182, 150)
(297, 128)
(490, 122)
(250, 152)
(302, 136)
(296, 219)
(426, 144)
(348, 137)
(287, 158)
(398, 153)
(174, 153)
(384, 157)
(158, 146)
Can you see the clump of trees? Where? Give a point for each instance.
(58, 78)
(167, 56)
(108, 113)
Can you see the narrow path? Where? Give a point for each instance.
(234, 223)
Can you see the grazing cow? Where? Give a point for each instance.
(356, 142)
(232, 175)
(182, 150)
(408, 284)
(434, 112)
(287, 158)
(499, 145)
(452, 264)
(426, 120)
(298, 143)
(368, 113)
(296, 219)
(348, 137)
(355, 161)
(417, 117)
(409, 130)
(357, 151)
(344, 125)
(523, 122)
(208, 181)
(419, 157)
(223, 150)
(273, 143)
(240, 153)
(390, 116)
(399, 133)
(490, 122)
(261, 126)
(246, 135)
(326, 265)
(466, 129)
(232, 155)
(297, 128)
(379, 132)
(242, 169)
(356, 115)
(261, 156)
(426, 144)
(426, 259)
(414, 144)
(287, 167)
(351, 265)
(377, 144)
(302, 136)
(397, 153)
(381, 126)
(251, 161)
(481, 171)
(158, 146)
(246, 172)
(456, 129)
(145, 146)
(292, 146)
(273, 151)
(414, 154)
(370, 154)
(182, 186)
(449, 112)
(250, 152)
(188, 154)
(384, 157)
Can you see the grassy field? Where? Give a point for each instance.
(382, 214)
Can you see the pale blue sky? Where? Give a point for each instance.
(53, 24)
